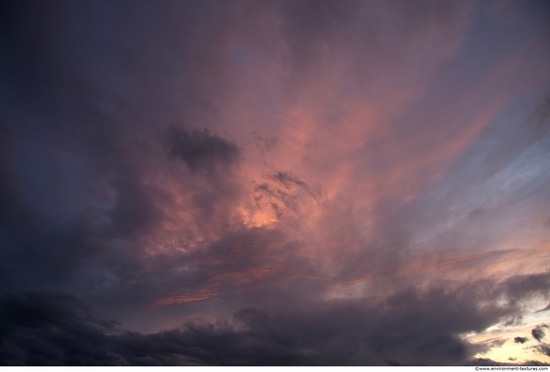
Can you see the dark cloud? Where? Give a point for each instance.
(538, 332)
(543, 349)
(51, 329)
(281, 202)
(520, 340)
(85, 99)
(527, 285)
(42, 329)
(412, 327)
(71, 172)
(291, 182)
(285, 193)
(201, 150)
(331, 336)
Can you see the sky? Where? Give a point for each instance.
(274, 182)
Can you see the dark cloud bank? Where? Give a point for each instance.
(412, 327)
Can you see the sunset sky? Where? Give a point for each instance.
(275, 182)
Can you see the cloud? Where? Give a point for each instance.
(412, 327)
(349, 239)
(543, 349)
(85, 179)
(51, 328)
(538, 332)
(201, 150)
(520, 340)
(285, 194)
(290, 338)
(519, 286)
(290, 182)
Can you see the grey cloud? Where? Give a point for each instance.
(543, 349)
(201, 150)
(87, 92)
(520, 340)
(520, 286)
(256, 268)
(51, 328)
(290, 182)
(285, 193)
(412, 327)
(538, 332)
(281, 202)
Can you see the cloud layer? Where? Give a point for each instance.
(412, 327)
